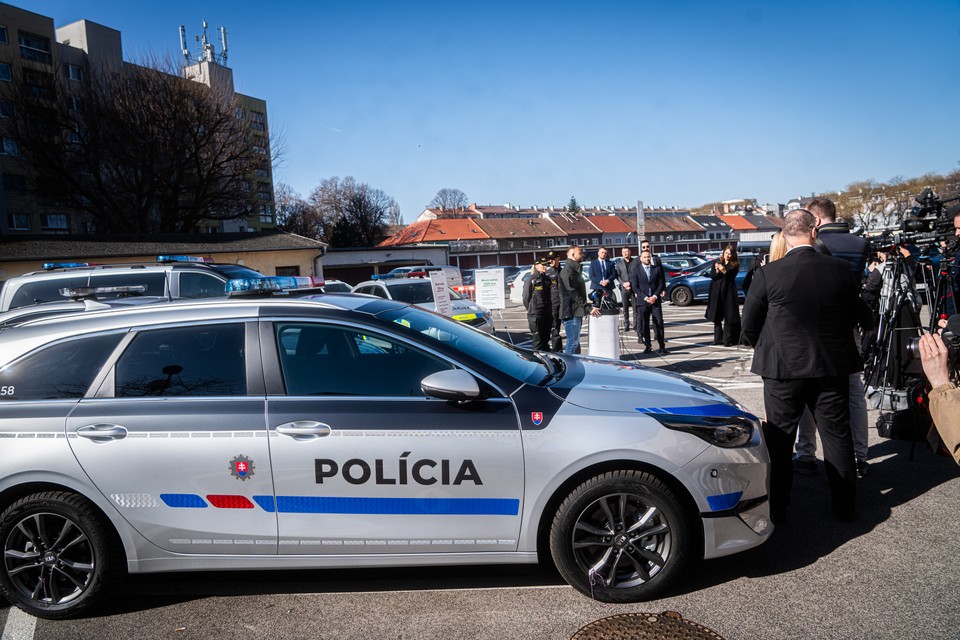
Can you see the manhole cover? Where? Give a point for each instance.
(668, 625)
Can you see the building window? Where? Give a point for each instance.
(550, 242)
(259, 120)
(241, 114)
(266, 213)
(55, 222)
(14, 182)
(18, 221)
(262, 173)
(5, 72)
(76, 103)
(3, 35)
(263, 191)
(288, 271)
(10, 147)
(34, 47)
(74, 72)
(7, 110)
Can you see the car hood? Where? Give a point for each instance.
(612, 385)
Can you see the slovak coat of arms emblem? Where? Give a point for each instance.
(242, 467)
(537, 417)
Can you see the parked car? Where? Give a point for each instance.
(685, 289)
(335, 286)
(454, 279)
(339, 431)
(418, 291)
(171, 276)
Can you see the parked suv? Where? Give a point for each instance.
(171, 277)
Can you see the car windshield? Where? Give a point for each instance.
(415, 292)
(513, 361)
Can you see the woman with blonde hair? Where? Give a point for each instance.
(778, 247)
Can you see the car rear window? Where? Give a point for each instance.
(45, 290)
(58, 372)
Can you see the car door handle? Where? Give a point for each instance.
(301, 428)
(102, 432)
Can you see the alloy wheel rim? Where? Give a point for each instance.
(48, 558)
(621, 541)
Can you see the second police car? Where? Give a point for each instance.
(349, 431)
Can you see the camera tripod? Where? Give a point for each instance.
(888, 364)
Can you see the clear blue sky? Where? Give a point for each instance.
(673, 103)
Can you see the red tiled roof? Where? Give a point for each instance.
(663, 223)
(611, 224)
(738, 223)
(441, 230)
(574, 225)
(498, 228)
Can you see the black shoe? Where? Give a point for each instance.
(626, 327)
(647, 350)
(863, 468)
(804, 466)
(662, 351)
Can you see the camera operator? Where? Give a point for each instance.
(944, 396)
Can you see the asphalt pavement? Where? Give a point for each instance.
(890, 574)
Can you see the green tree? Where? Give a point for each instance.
(573, 206)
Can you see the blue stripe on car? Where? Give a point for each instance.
(724, 501)
(183, 500)
(709, 410)
(392, 506)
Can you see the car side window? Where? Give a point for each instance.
(327, 360)
(200, 285)
(205, 360)
(60, 371)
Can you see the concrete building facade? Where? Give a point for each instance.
(45, 56)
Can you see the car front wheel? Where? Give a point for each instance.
(621, 537)
(682, 296)
(57, 559)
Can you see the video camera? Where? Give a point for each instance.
(923, 227)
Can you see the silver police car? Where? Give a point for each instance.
(348, 431)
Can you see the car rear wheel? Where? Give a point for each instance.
(681, 296)
(57, 559)
(621, 537)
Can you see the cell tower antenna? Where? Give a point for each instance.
(223, 44)
(183, 42)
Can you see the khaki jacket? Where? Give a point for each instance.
(945, 409)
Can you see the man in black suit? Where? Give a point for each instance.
(648, 283)
(800, 314)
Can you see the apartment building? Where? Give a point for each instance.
(44, 56)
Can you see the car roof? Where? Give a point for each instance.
(49, 328)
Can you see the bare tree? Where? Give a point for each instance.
(296, 215)
(449, 201)
(393, 215)
(351, 213)
(142, 150)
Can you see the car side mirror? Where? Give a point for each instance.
(453, 384)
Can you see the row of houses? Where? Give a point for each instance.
(481, 236)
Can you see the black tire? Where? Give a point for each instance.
(682, 296)
(596, 552)
(58, 559)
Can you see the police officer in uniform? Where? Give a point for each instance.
(553, 271)
(537, 300)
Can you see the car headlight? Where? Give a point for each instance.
(728, 432)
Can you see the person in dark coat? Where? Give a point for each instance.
(539, 305)
(553, 271)
(723, 307)
(647, 280)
